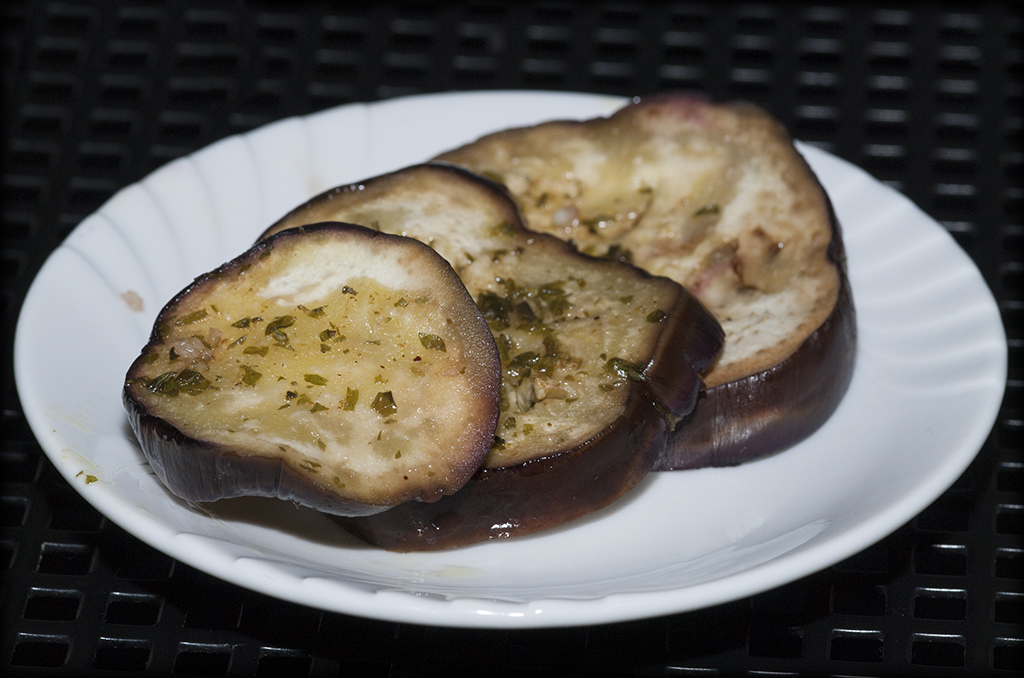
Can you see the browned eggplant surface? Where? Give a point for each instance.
(333, 366)
(597, 357)
(716, 197)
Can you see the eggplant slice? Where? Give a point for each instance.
(716, 197)
(334, 366)
(598, 357)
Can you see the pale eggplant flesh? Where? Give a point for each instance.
(599, 358)
(716, 197)
(771, 410)
(332, 366)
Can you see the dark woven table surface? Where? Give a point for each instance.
(927, 98)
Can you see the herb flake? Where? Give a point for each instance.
(432, 342)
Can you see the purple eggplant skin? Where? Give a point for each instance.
(203, 471)
(537, 495)
(198, 471)
(768, 412)
(694, 341)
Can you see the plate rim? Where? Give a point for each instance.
(470, 611)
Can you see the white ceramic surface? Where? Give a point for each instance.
(930, 374)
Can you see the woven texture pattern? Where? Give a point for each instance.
(927, 99)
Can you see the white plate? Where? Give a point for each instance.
(930, 374)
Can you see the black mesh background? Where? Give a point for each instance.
(925, 96)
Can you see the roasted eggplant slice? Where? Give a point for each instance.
(333, 366)
(598, 357)
(716, 197)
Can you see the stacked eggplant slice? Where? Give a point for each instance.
(512, 336)
(716, 197)
(337, 367)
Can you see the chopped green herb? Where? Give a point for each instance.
(315, 379)
(250, 376)
(191, 317)
(504, 345)
(191, 382)
(258, 350)
(432, 342)
(242, 324)
(384, 404)
(351, 398)
(546, 364)
(495, 309)
(536, 329)
(509, 423)
(240, 340)
(401, 303)
(551, 345)
(317, 407)
(710, 208)
(279, 322)
(164, 384)
(505, 230)
(327, 334)
(657, 315)
(317, 312)
(519, 366)
(525, 311)
(625, 369)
